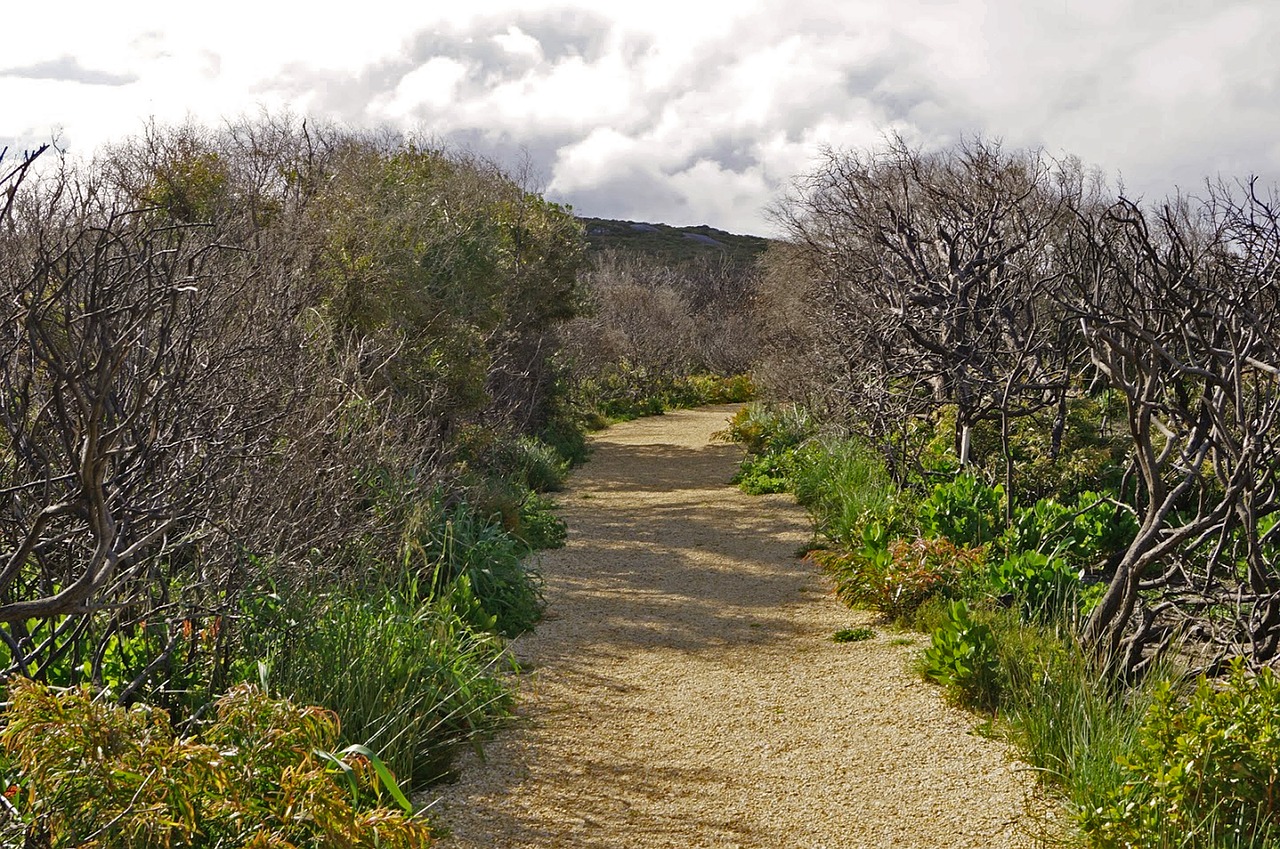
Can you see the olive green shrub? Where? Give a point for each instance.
(89, 773)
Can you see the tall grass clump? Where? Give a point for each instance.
(844, 485)
(411, 655)
(446, 542)
(410, 680)
(773, 437)
(1071, 722)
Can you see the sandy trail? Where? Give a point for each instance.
(684, 690)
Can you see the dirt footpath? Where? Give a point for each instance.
(684, 690)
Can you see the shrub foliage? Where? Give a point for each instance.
(262, 774)
(1206, 766)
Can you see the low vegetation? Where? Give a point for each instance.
(283, 404)
(853, 635)
(95, 774)
(283, 408)
(1139, 761)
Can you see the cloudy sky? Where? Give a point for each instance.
(682, 112)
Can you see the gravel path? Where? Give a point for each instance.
(684, 690)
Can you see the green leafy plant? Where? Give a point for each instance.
(92, 774)
(1208, 767)
(1080, 533)
(540, 528)
(1100, 527)
(446, 541)
(852, 635)
(775, 438)
(762, 474)
(966, 511)
(519, 459)
(896, 577)
(962, 657)
(1039, 585)
(1043, 527)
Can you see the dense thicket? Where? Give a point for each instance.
(1038, 421)
(241, 360)
(999, 313)
(653, 334)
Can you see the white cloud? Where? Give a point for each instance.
(519, 43)
(731, 198)
(592, 160)
(670, 110)
(571, 94)
(433, 85)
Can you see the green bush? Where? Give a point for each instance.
(844, 486)
(966, 511)
(895, 577)
(1090, 455)
(962, 657)
(1040, 586)
(1082, 533)
(410, 679)
(681, 391)
(111, 655)
(1099, 528)
(1203, 773)
(775, 439)
(566, 434)
(622, 391)
(536, 465)
(1043, 527)
(736, 388)
(264, 774)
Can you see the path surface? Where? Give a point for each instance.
(684, 690)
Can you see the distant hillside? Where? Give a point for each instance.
(675, 245)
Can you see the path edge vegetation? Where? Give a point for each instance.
(1168, 759)
(1036, 417)
(283, 403)
(285, 409)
